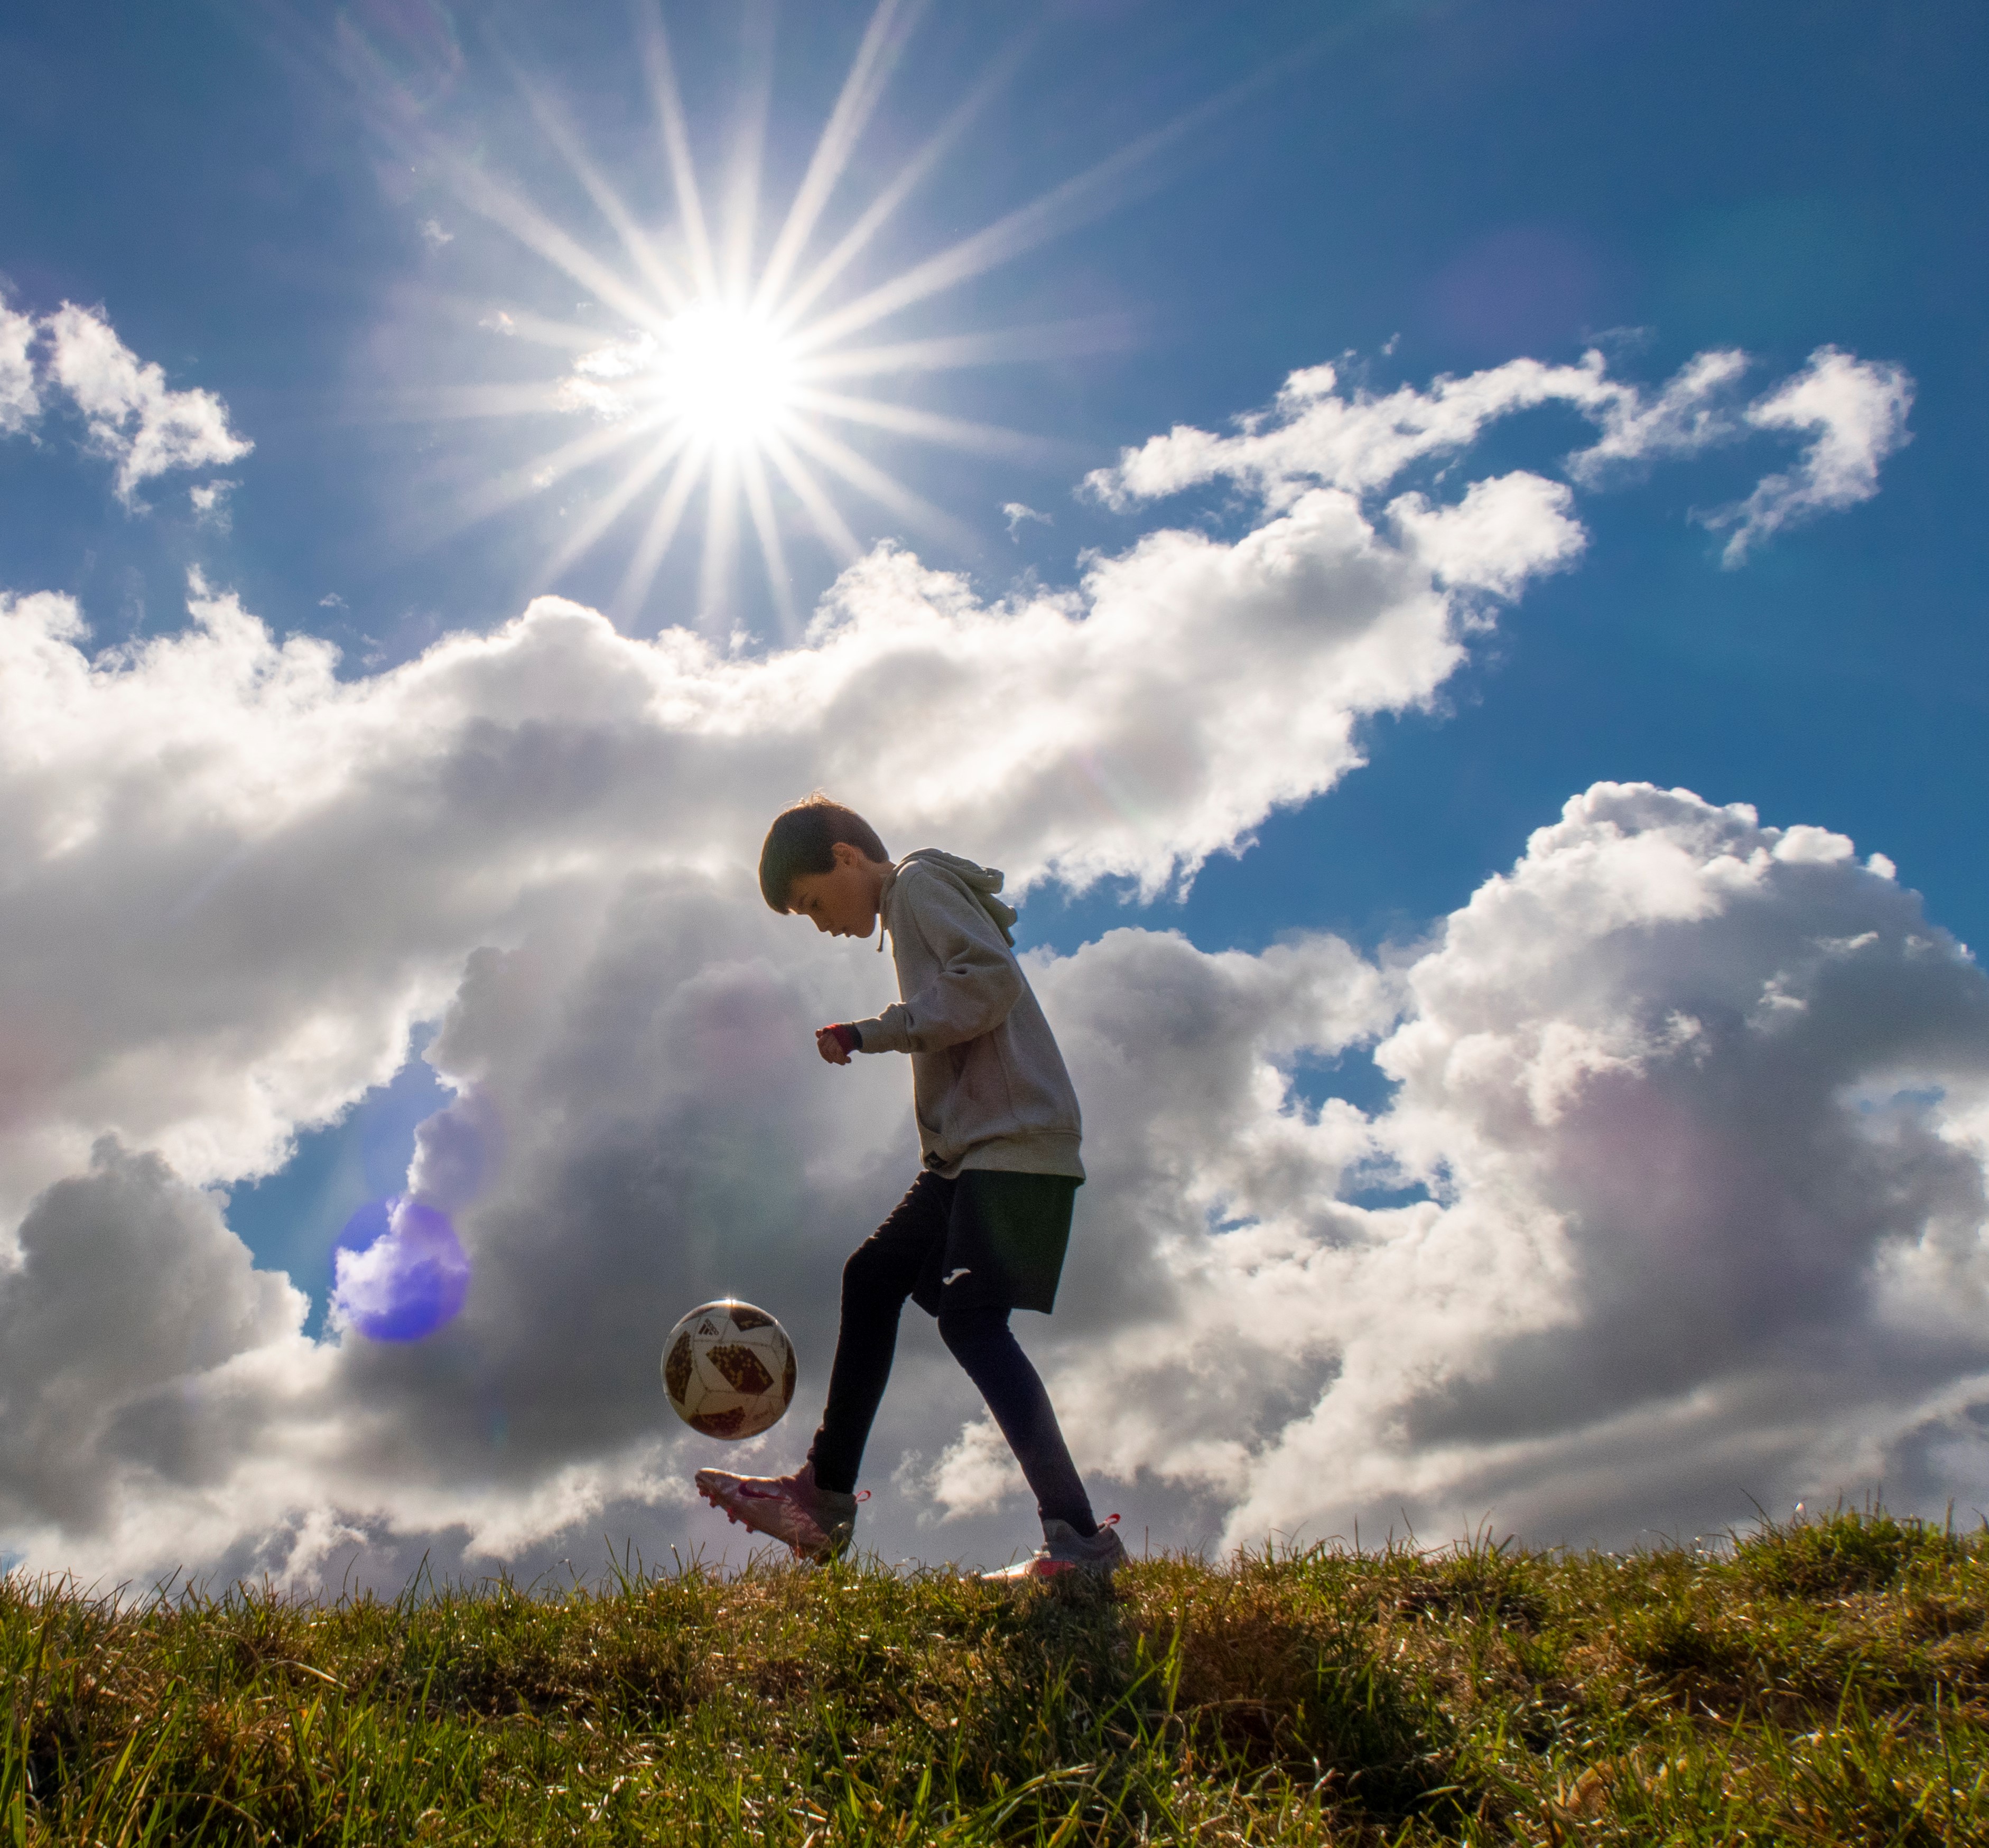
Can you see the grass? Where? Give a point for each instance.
(1826, 1681)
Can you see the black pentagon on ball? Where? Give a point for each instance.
(742, 1369)
(677, 1366)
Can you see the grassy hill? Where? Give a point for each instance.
(1824, 1682)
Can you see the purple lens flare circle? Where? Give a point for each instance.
(400, 1271)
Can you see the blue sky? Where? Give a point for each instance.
(282, 208)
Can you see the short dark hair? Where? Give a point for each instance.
(802, 841)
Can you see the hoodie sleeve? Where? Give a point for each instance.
(978, 983)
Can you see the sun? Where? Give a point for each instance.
(715, 374)
(745, 367)
(725, 374)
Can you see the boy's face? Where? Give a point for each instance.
(842, 901)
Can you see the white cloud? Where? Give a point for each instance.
(594, 382)
(1691, 412)
(133, 416)
(236, 879)
(1014, 512)
(1701, 1106)
(210, 504)
(1856, 412)
(1698, 1100)
(1704, 1106)
(20, 403)
(1491, 540)
(126, 1284)
(433, 235)
(1314, 435)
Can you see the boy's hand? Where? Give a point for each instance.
(835, 1044)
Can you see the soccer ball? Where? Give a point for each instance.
(729, 1369)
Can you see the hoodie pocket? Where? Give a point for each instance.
(979, 1103)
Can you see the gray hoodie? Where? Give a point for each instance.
(988, 1085)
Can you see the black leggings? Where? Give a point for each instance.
(880, 1274)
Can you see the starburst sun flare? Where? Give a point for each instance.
(719, 375)
(743, 371)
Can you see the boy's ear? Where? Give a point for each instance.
(845, 853)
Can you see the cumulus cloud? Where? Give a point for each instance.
(133, 416)
(126, 1285)
(1315, 433)
(1698, 1109)
(1856, 412)
(633, 1131)
(20, 403)
(1491, 539)
(1673, 1054)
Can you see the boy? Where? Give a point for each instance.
(983, 1230)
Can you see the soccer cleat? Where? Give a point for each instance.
(1064, 1550)
(816, 1522)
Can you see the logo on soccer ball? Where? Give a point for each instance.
(729, 1369)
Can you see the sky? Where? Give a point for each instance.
(1436, 544)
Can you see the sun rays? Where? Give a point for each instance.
(744, 381)
(721, 374)
(758, 373)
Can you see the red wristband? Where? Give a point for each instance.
(846, 1037)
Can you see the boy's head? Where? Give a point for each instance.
(824, 862)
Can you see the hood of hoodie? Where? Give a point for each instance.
(983, 882)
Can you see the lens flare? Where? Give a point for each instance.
(399, 1271)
